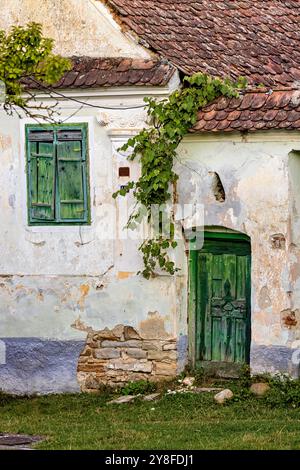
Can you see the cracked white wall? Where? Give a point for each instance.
(54, 281)
(255, 172)
(53, 276)
(79, 272)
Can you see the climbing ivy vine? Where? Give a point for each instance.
(155, 147)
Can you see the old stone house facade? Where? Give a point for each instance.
(74, 311)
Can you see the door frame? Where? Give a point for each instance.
(192, 288)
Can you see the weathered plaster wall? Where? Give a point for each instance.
(290, 318)
(57, 284)
(254, 172)
(60, 287)
(79, 27)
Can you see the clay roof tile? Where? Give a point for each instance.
(247, 38)
(256, 114)
(90, 71)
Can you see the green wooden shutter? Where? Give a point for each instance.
(72, 176)
(41, 172)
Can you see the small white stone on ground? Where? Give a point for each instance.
(125, 399)
(188, 381)
(224, 395)
(206, 389)
(151, 397)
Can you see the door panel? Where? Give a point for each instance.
(223, 301)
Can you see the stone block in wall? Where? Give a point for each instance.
(117, 375)
(133, 343)
(135, 366)
(98, 367)
(164, 356)
(93, 344)
(105, 334)
(107, 353)
(165, 369)
(91, 382)
(114, 375)
(154, 345)
(130, 333)
(86, 352)
(136, 353)
(83, 359)
(118, 332)
(139, 376)
(170, 347)
(94, 360)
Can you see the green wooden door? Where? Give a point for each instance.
(222, 301)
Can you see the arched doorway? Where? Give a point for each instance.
(220, 302)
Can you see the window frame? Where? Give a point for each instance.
(83, 126)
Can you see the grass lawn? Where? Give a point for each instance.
(177, 422)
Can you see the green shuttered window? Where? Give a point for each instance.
(57, 174)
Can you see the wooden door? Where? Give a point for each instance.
(222, 301)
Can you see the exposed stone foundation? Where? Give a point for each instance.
(114, 357)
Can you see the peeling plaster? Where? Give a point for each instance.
(290, 318)
(84, 290)
(154, 327)
(264, 300)
(254, 174)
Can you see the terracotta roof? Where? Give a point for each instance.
(252, 111)
(90, 72)
(254, 38)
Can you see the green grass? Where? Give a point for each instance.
(177, 422)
